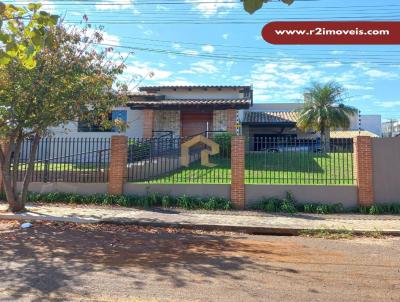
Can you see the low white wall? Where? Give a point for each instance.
(65, 187)
(202, 190)
(346, 195)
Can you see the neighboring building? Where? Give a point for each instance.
(391, 128)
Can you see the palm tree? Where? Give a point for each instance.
(324, 110)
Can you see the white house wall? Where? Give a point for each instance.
(134, 130)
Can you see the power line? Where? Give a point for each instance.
(230, 57)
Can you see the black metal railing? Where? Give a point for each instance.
(299, 161)
(67, 160)
(158, 160)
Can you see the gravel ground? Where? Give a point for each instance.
(69, 262)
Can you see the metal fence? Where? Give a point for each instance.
(67, 160)
(158, 160)
(299, 161)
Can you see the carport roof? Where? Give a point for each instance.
(270, 118)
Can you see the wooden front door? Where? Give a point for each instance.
(195, 122)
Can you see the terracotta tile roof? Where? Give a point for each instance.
(351, 134)
(240, 103)
(281, 117)
(191, 86)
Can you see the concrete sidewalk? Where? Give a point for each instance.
(238, 221)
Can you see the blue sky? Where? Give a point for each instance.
(216, 42)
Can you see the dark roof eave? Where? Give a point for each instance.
(191, 106)
(277, 124)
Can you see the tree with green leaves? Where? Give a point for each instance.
(252, 6)
(73, 79)
(23, 32)
(324, 110)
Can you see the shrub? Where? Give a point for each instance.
(138, 150)
(289, 205)
(224, 142)
(146, 201)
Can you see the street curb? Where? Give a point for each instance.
(197, 227)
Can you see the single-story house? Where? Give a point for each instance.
(189, 110)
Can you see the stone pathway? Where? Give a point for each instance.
(246, 221)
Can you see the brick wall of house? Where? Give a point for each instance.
(363, 169)
(167, 120)
(225, 120)
(148, 123)
(238, 172)
(231, 120)
(118, 163)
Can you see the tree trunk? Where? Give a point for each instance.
(15, 163)
(28, 175)
(14, 204)
(325, 140)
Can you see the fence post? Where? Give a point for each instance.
(4, 146)
(238, 171)
(363, 170)
(118, 165)
(148, 123)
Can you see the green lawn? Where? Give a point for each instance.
(273, 168)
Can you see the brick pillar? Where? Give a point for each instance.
(148, 124)
(4, 146)
(231, 120)
(118, 170)
(237, 168)
(363, 170)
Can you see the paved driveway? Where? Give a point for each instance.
(66, 262)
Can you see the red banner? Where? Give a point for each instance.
(331, 32)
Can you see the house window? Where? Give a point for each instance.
(85, 126)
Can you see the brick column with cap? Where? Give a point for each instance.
(118, 165)
(148, 123)
(363, 170)
(238, 170)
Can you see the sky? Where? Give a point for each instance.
(215, 42)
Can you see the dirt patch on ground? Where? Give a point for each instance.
(70, 262)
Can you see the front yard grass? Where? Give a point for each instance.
(272, 168)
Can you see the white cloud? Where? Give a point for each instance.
(177, 82)
(337, 52)
(190, 52)
(210, 8)
(333, 64)
(388, 104)
(208, 48)
(375, 73)
(160, 7)
(204, 66)
(137, 70)
(114, 4)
